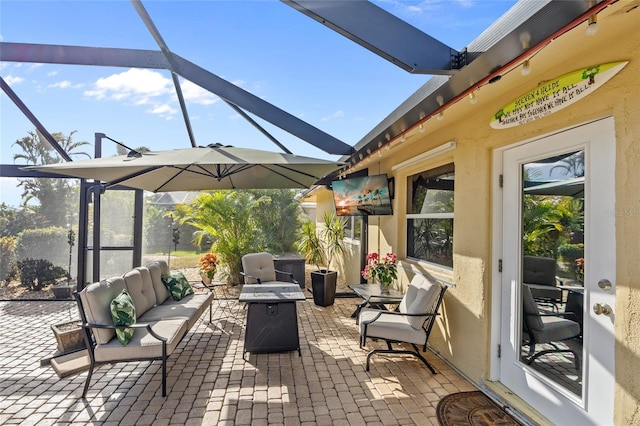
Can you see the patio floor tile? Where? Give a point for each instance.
(210, 383)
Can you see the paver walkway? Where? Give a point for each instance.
(209, 383)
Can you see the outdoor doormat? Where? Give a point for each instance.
(472, 408)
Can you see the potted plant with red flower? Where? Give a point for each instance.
(208, 264)
(383, 270)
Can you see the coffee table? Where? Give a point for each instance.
(272, 317)
(373, 296)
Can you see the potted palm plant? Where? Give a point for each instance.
(320, 248)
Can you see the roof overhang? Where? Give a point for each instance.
(524, 29)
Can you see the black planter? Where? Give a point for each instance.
(323, 285)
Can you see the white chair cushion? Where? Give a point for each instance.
(421, 296)
(258, 265)
(389, 326)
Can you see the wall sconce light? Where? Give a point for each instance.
(472, 98)
(526, 68)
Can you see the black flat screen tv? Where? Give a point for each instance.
(362, 196)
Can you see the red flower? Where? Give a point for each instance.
(384, 270)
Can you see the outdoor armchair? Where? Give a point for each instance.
(411, 323)
(540, 274)
(547, 327)
(258, 268)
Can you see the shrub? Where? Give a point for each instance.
(44, 243)
(37, 273)
(571, 252)
(8, 256)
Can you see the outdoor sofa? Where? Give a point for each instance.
(160, 321)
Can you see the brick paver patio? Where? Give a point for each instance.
(209, 382)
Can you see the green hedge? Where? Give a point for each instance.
(8, 256)
(44, 243)
(571, 252)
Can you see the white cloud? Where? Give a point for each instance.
(52, 73)
(11, 80)
(196, 94)
(131, 83)
(337, 114)
(164, 110)
(66, 84)
(137, 87)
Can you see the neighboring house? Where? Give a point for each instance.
(596, 140)
(168, 200)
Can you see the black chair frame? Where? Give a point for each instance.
(533, 355)
(427, 326)
(91, 344)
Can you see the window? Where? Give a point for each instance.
(353, 228)
(430, 215)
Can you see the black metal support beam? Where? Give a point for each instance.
(165, 50)
(382, 33)
(131, 58)
(32, 118)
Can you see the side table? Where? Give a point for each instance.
(372, 296)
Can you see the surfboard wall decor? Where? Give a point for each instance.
(555, 95)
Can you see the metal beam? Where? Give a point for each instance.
(81, 55)
(382, 33)
(32, 118)
(131, 58)
(166, 52)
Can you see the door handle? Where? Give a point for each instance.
(602, 309)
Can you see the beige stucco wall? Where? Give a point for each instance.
(463, 335)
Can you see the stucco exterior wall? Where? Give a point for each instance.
(463, 334)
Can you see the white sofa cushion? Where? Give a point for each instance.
(140, 289)
(157, 269)
(190, 308)
(96, 299)
(143, 345)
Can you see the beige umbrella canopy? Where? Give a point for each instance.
(202, 168)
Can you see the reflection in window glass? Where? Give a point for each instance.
(353, 228)
(430, 215)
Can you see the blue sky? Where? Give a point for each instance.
(265, 47)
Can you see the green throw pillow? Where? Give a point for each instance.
(178, 285)
(123, 312)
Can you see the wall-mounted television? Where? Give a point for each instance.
(362, 196)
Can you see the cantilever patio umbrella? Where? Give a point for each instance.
(201, 168)
(571, 187)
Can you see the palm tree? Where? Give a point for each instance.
(54, 196)
(227, 217)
